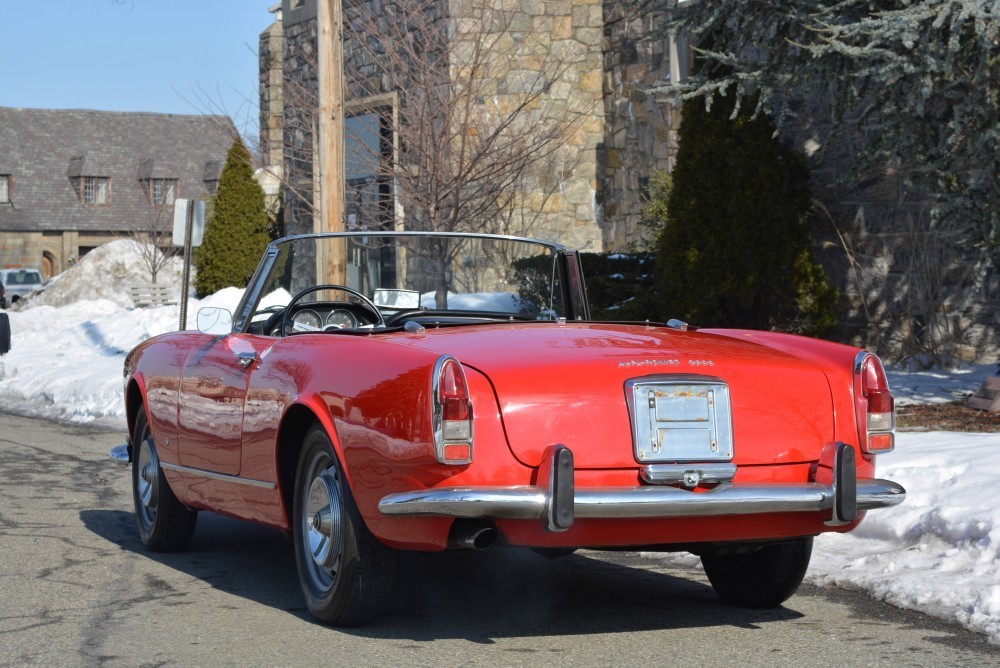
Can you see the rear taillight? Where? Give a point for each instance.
(875, 406)
(452, 413)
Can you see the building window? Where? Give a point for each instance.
(161, 191)
(368, 160)
(4, 188)
(96, 190)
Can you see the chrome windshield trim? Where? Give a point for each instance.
(555, 246)
(212, 475)
(638, 502)
(244, 310)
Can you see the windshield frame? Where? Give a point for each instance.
(565, 261)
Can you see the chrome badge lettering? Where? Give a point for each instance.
(631, 364)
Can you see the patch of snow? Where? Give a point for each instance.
(937, 386)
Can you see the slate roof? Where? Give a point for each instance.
(43, 150)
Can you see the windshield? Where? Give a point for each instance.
(21, 277)
(451, 275)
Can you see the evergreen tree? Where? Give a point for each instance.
(734, 250)
(920, 77)
(236, 232)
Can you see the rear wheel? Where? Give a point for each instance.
(765, 578)
(345, 572)
(165, 524)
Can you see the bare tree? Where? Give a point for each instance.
(472, 116)
(464, 100)
(152, 234)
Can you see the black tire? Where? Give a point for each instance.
(165, 524)
(762, 579)
(345, 572)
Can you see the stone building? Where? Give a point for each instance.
(71, 180)
(591, 192)
(907, 290)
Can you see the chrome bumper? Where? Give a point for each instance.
(557, 501)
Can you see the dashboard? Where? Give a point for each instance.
(312, 317)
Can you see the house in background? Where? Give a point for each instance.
(71, 180)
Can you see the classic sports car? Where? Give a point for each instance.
(422, 391)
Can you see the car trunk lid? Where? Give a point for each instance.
(573, 384)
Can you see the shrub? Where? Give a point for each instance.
(619, 287)
(735, 248)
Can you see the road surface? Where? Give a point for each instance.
(78, 589)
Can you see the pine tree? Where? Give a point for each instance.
(734, 250)
(236, 232)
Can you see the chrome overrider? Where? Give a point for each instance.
(556, 500)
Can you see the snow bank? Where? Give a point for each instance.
(106, 273)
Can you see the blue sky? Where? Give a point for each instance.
(167, 56)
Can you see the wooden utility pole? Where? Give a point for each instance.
(331, 130)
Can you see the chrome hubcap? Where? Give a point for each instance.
(146, 484)
(323, 520)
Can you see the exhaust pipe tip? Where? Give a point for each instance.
(477, 537)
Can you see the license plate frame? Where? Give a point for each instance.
(680, 419)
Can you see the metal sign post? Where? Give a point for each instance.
(189, 227)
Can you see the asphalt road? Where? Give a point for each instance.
(78, 589)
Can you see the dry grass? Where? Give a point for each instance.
(953, 416)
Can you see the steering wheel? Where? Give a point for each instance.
(364, 301)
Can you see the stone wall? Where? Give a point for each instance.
(555, 46)
(909, 289)
(300, 75)
(20, 249)
(271, 81)
(640, 129)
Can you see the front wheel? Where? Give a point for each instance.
(765, 578)
(345, 572)
(165, 524)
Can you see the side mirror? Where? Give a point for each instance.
(215, 320)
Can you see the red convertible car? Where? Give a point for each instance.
(420, 391)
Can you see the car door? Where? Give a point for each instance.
(211, 403)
